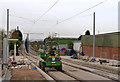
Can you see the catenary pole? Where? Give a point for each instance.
(7, 35)
(94, 35)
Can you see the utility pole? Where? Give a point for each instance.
(7, 23)
(7, 35)
(94, 35)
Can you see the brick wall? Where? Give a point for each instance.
(103, 52)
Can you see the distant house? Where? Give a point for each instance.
(77, 46)
(106, 45)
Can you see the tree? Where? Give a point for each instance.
(2, 33)
(14, 36)
(2, 36)
(70, 45)
(47, 39)
(87, 32)
(80, 37)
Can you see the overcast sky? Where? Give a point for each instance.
(23, 13)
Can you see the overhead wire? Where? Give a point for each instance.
(82, 12)
(52, 27)
(76, 14)
(34, 21)
(24, 18)
(47, 11)
(30, 20)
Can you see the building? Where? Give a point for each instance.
(77, 46)
(106, 45)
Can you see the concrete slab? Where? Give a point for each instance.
(59, 75)
(92, 64)
(95, 71)
(82, 75)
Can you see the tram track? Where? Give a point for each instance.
(56, 75)
(104, 69)
(53, 73)
(35, 57)
(92, 66)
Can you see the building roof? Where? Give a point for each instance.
(108, 40)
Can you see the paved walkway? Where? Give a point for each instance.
(25, 72)
(92, 63)
(77, 63)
